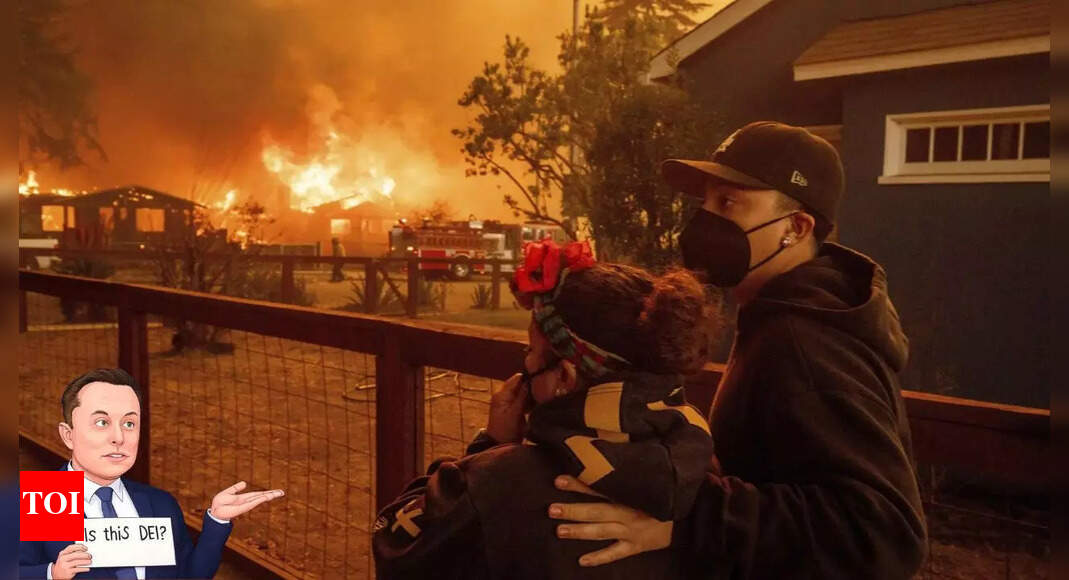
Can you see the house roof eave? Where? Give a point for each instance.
(703, 34)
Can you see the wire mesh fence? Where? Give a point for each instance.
(53, 353)
(456, 407)
(274, 413)
(978, 529)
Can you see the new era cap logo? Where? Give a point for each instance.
(799, 179)
(727, 142)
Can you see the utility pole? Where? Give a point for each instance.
(571, 146)
(575, 42)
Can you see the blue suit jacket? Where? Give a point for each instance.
(192, 561)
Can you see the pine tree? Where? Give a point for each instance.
(675, 14)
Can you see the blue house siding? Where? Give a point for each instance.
(965, 261)
(747, 74)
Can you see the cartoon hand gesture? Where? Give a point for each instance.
(228, 504)
(73, 560)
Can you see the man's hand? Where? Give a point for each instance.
(229, 504)
(507, 422)
(74, 559)
(634, 531)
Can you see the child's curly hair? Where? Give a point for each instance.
(660, 324)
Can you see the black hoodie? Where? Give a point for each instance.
(812, 437)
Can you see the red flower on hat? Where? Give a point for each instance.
(542, 264)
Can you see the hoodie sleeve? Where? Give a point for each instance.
(431, 530)
(848, 505)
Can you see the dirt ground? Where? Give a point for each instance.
(282, 414)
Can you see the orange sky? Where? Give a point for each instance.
(188, 93)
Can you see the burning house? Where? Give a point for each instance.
(362, 228)
(124, 217)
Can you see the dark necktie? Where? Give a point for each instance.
(108, 510)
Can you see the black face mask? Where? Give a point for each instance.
(719, 248)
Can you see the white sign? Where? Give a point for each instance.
(129, 542)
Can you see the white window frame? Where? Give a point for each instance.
(896, 170)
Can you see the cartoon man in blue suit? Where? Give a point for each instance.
(102, 412)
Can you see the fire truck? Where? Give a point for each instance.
(471, 242)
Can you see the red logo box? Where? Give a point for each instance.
(50, 506)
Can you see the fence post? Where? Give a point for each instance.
(495, 286)
(287, 280)
(399, 425)
(133, 358)
(412, 303)
(371, 287)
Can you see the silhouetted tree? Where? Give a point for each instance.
(56, 118)
(594, 134)
(673, 14)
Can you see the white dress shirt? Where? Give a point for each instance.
(123, 504)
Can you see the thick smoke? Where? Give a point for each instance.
(188, 93)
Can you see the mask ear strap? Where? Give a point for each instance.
(770, 222)
(778, 250)
(773, 255)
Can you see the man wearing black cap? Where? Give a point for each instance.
(810, 430)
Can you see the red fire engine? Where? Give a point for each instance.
(471, 242)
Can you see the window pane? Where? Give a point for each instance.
(974, 143)
(149, 219)
(917, 145)
(52, 218)
(946, 144)
(1004, 141)
(340, 227)
(1037, 140)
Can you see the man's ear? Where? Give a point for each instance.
(802, 225)
(66, 433)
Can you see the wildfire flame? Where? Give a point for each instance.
(348, 165)
(324, 179)
(31, 187)
(228, 201)
(225, 210)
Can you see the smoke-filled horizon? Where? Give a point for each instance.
(202, 97)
